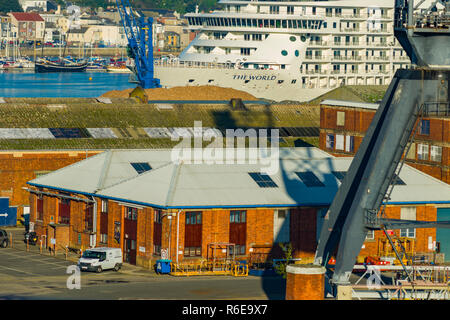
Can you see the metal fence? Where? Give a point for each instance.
(17, 241)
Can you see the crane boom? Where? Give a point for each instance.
(356, 206)
(140, 43)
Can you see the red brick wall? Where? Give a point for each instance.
(215, 228)
(357, 121)
(114, 215)
(62, 237)
(423, 213)
(19, 167)
(259, 227)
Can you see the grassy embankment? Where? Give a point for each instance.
(127, 113)
(131, 115)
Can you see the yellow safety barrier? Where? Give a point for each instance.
(209, 268)
(240, 270)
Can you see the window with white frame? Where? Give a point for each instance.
(436, 153)
(370, 235)
(339, 142)
(349, 143)
(408, 213)
(422, 151)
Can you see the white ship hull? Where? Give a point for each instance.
(263, 84)
(288, 50)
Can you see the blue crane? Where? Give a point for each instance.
(140, 44)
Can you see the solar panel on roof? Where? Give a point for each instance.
(141, 167)
(263, 180)
(310, 179)
(70, 133)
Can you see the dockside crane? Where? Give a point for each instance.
(140, 44)
(366, 188)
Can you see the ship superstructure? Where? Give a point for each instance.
(289, 50)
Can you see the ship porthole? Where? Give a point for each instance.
(284, 53)
(297, 53)
(303, 38)
(292, 38)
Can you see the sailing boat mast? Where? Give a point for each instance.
(8, 30)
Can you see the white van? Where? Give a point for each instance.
(99, 259)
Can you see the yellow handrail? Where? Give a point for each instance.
(209, 268)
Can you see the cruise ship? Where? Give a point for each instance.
(288, 50)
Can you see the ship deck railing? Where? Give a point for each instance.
(209, 65)
(437, 20)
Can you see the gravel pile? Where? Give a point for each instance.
(186, 93)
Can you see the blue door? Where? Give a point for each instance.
(8, 215)
(443, 235)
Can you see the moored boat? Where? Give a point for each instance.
(61, 66)
(118, 69)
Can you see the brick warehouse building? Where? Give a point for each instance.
(344, 123)
(143, 203)
(18, 167)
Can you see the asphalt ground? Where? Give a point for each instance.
(31, 275)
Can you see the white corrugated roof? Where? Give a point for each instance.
(187, 185)
(350, 104)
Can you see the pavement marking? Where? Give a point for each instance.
(16, 270)
(42, 259)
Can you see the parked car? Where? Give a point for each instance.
(4, 239)
(31, 237)
(99, 259)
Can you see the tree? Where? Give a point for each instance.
(10, 6)
(180, 6)
(281, 267)
(91, 3)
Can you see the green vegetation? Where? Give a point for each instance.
(10, 6)
(84, 144)
(127, 113)
(179, 6)
(280, 268)
(91, 3)
(370, 94)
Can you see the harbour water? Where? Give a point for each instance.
(61, 85)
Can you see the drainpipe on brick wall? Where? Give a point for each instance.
(170, 233)
(94, 223)
(178, 233)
